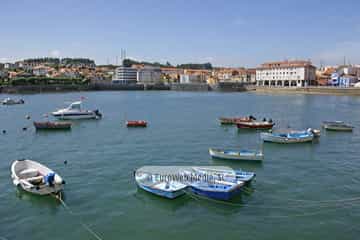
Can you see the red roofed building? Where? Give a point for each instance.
(286, 73)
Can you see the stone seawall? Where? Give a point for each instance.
(229, 87)
(201, 87)
(69, 88)
(310, 90)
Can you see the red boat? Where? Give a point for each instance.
(255, 125)
(137, 123)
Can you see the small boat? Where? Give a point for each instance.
(337, 126)
(288, 137)
(220, 190)
(150, 183)
(35, 178)
(52, 125)
(137, 123)
(236, 155)
(9, 101)
(74, 111)
(255, 125)
(234, 120)
(226, 174)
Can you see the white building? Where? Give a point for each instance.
(125, 75)
(190, 78)
(41, 71)
(149, 74)
(286, 73)
(9, 66)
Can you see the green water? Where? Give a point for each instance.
(102, 155)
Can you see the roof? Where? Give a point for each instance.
(286, 64)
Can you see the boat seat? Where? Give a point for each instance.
(35, 180)
(29, 173)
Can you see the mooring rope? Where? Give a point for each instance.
(86, 227)
(306, 214)
(329, 204)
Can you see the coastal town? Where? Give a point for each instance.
(276, 74)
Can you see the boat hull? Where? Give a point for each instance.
(232, 121)
(253, 156)
(244, 125)
(338, 128)
(268, 137)
(75, 116)
(136, 123)
(52, 126)
(161, 193)
(218, 195)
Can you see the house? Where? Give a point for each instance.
(42, 71)
(323, 75)
(149, 74)
(194, 76)
(171, 74)
(9, 66)
(345, 76)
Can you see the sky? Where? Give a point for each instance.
(231, 33)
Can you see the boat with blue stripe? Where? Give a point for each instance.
(221, 190)
(288, 137)
(150, 183)
(227, 154)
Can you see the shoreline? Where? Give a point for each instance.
(201, 87)
(314, 90)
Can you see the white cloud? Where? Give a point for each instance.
(55, 53)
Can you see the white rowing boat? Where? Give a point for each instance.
(236, 155)
(35, 178)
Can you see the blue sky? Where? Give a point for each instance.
(226, 33)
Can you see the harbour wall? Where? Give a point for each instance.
(221, 87)
(200, 87)
(310, 90)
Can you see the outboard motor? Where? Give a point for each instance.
(49, 179)
(270, 120)
(97, 113)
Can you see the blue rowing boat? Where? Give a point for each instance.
(221, 190)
